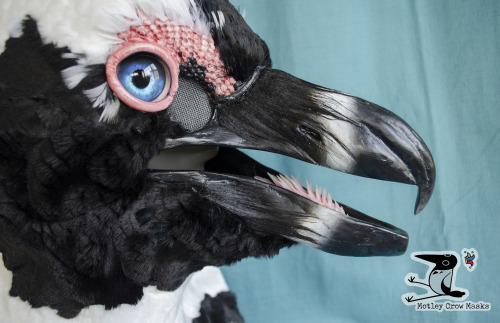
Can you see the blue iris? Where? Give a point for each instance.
(143, 76)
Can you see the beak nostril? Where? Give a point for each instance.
(143, 216)
(308, 132)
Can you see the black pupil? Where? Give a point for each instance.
(140, 79)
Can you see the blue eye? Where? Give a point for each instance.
(144, 76)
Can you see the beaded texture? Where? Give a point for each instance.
(189, 43)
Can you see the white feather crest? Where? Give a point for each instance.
(90, 27)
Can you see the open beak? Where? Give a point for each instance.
(279, 113)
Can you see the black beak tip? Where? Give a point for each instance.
(397, 245)
(423, 197)
(389, 244)
(426, 185)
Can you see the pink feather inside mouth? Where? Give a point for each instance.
(293, 184)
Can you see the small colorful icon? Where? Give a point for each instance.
(470, 258)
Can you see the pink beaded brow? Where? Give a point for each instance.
(188, 42)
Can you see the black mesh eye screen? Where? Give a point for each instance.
(191, 106)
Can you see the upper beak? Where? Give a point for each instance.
(431, 258)
(283, 114)
(277, 112)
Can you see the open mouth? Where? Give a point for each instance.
(274, 203)
(195, 159)
(278, 113)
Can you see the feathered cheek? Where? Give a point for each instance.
(143, 75)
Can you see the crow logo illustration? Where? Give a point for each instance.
(440, 278)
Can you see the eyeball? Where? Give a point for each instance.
(143, 75)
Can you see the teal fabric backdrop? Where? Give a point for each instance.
(436, 64)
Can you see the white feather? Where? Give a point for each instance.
(90, 27)
(219, 19)
(180, 306)
(16, 28)
(72, 56)
(217, 25)
(111, 108)
(222, 19)
(72, 76)
(99, 96)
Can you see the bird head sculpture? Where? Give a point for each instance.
(120, 123)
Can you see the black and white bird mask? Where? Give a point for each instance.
(119, 127)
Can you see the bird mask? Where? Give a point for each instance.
(120, 123)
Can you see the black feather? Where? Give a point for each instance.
(79, 225)
(240, 48)
(221, 308)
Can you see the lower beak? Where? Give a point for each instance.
(274, 211)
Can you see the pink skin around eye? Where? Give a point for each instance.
(124, 50)
(190, 42)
